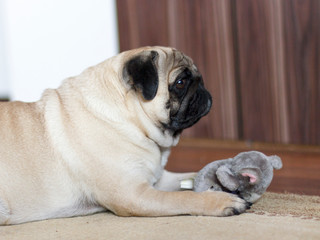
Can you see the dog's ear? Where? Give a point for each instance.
(141, 73)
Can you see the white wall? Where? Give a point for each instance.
(48, 41)
(4, 83)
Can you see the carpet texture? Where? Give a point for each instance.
(274, 216)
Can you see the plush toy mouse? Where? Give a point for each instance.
(248, 174)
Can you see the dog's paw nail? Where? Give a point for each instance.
(236, 212)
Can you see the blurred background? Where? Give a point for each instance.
(44, 42)
(260, 59)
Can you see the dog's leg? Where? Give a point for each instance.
(144, 200)
(170, 181)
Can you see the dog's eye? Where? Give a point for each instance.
(180, 84)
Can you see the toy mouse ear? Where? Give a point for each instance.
(253, 174)
(275, 162)
(227, 178)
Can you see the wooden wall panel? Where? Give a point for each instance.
(302, 68)
(259, 59)
(278, 43)
(142, 23)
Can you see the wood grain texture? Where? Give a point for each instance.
(256, 30)
(142, 23)
(279, 64)
(302, 68)
(301, 164)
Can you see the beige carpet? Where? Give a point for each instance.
(275, 216)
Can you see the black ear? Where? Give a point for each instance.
(142, 74)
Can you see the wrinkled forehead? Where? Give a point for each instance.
(173, 62)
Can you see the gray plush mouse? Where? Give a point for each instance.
(248, 174)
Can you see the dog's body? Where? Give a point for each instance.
(101, 141)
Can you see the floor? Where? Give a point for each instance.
(301, 164)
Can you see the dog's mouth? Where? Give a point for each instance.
(191, 110)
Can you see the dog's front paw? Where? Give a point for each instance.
(235, 206)
(225, 204)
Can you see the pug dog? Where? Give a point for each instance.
(101, 142)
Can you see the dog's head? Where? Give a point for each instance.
(169, 86)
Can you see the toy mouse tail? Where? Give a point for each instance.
(276, 162)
